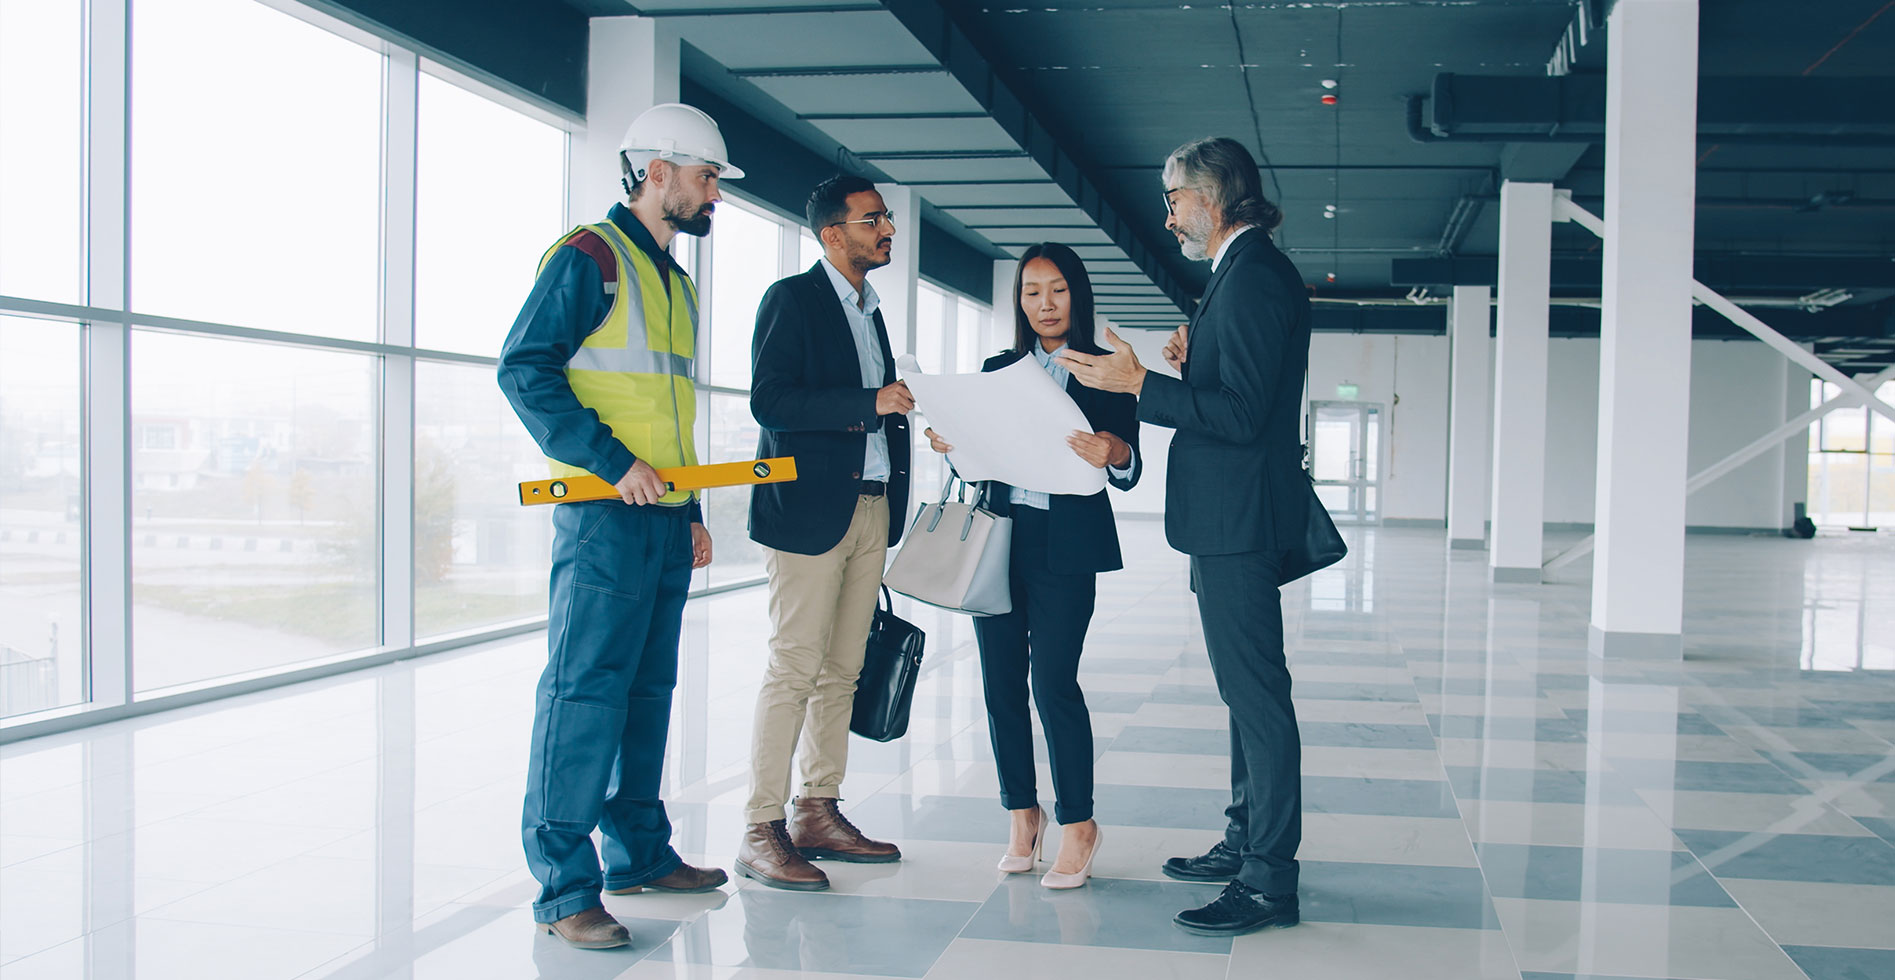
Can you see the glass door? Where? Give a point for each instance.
(1346, 459)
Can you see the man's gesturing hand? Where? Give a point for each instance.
(1117, 371)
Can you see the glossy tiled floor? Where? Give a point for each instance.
(1482, 802)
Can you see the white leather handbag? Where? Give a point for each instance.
(956, 556)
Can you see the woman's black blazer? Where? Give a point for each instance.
(1083, 536)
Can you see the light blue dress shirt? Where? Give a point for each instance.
(859, 310)
(1057, 368)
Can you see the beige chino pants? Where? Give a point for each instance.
(820, 610)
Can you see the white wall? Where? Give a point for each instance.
(1408, 377)
(1739, 390)
(1737, 394)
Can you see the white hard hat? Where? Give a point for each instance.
(680, 134)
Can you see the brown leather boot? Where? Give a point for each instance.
(819, 830)
(768, 856)
(592, 929)
(684, 879)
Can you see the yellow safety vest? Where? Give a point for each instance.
(636, 368)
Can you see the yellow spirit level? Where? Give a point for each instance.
(779, 469)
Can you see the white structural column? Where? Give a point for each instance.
(1645, 329)
(1519, 488)
(899, 282)
(1470, 314)
(631, 65)
(108, 359)
(401, 97)
(1796, 447)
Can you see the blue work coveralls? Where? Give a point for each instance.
(619, 579)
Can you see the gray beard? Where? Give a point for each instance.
(1196, 244)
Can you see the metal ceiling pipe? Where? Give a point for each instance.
(1421, 132)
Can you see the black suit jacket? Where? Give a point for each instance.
(1084, 537)
(806, 392)
(1235, 481)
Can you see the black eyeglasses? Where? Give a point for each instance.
(1170, 208)
(871, 219)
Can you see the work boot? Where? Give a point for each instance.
(684, 880)
(592, 929)
(768, 856)
(819, 830)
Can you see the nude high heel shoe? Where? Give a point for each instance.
(1014, 864)
(1056, 879)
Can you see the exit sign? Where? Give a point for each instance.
(1346, 392)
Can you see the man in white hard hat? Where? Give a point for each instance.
(599, 365)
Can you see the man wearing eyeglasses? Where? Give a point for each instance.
(823, 388)
(1236, 501)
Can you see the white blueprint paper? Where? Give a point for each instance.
(1008, 425)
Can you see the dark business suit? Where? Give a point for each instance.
(1235, 499)
(1056, 555)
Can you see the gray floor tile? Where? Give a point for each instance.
(1379, 797)
(1106, 912)
(1793, 857)
(1571, 874)
(818, 932)
(1395, 895)
(1839, 963)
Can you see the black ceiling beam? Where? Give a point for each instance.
(1858, 322)
(535, 49)
(1792, 110)
(1769, 273)
(952, 46)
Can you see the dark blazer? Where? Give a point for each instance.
(1235, 481)
(1084, 536)
(806, 392)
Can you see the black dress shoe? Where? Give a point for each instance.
(1238, 910)
(1220, 863)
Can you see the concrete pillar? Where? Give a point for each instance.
(1519, 494)
(632, 65)
(899, 282)
(1795, 450)
(1470, 313)
(1645, 329)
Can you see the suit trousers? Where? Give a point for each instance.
(603, 707)
(1041, 639)
(1242, 612)
(821, 607)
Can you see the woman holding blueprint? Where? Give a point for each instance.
(1061, 541)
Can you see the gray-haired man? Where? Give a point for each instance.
(1235, 497)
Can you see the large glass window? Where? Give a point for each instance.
(254, 517)
(480, 558)
(489, 199)
(256, 169)
(727, 431)
(969, 337)
(1851, 462)
(810, 250)
(42, 141)
(257, 135)
(42, 639)
(744, 262)
(934, 320)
